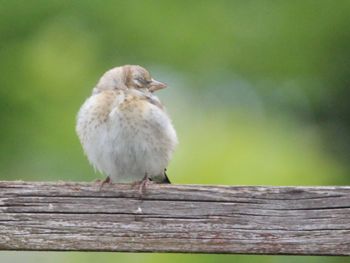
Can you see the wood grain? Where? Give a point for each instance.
(175, 218)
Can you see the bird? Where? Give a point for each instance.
(125, 130)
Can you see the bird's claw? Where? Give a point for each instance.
(105, 181)
(142, 185)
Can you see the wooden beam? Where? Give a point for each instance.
(175, 218)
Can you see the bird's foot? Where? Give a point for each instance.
(142, 185)
(105, 181)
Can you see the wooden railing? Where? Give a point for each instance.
(175, 218)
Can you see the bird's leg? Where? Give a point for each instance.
(142, 184)
(105, 181)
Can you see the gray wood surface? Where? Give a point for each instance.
(175, 218)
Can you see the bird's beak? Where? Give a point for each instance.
(156, 85)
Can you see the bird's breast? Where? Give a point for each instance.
(123, 135)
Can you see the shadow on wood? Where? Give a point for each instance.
(175, 218)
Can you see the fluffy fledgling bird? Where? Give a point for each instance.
(124, 129)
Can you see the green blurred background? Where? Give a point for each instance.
(259, 93)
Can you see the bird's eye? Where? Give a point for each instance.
(143, 81)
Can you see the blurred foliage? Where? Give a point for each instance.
(258, 92)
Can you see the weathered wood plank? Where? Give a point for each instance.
(175, 218)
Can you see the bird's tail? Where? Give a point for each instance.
(166, 179)
(161, 179)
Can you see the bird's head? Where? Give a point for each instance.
(128, 77)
